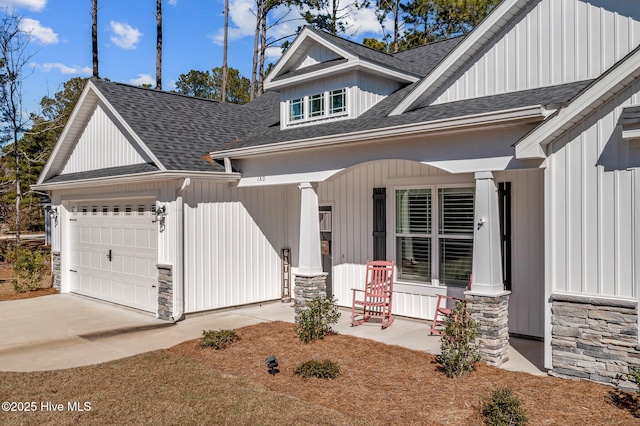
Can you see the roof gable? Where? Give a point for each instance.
(93, 152)
(315, 54)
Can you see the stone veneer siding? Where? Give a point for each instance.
(594, 338)
(308, 288)
(491, 313)
(55, 269)
(165, 292)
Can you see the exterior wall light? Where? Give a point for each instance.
(53, 214)
(161, 214)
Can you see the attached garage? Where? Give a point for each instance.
(113, 252)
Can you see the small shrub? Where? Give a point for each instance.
(7, 250)
(457, 343)
(28, 269)
(326, 369)
(315, 320)
(634, 377)
(219, 339)
(503, 408)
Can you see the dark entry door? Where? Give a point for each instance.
(325, 245)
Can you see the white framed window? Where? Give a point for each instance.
(296, 109)
(434, 234)
(337, 101)
(318, 106)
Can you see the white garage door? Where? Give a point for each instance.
(114, 252)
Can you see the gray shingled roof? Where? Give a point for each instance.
(630, 116)
(102, 173)
(181, 130)
(418, 61)
(377, 117)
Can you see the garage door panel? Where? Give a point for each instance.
(129, 277)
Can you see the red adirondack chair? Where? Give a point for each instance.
(444, 306)
(376, 298)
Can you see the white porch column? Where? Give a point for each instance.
(487, 258)
(309, 258)
(487, 301)
(310, 281)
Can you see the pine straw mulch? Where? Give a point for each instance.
(7, 292)
(385, 384)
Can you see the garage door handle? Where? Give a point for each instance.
(73, 270)
(109, 256)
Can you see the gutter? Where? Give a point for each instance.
(178, 291)
(137, 177)
(447, 125)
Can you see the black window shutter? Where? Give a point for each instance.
(504, 194)
(379, 224)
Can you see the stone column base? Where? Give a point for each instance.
(307, 288)
(55, 269)
(491, 313)
(165, 292)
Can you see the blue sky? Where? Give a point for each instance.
(192, 39)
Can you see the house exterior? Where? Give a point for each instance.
(502, 167)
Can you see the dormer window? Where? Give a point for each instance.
(318, 106)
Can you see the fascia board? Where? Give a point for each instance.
(467, 48)
(346, 66)
(284, 59)
(450, 125)
(137, 178)
(599, 92)
(44, 175)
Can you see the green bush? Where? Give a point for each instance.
(218, 339)
(634, 377)
(7, 250)
(326, 369)
(457, 343)
(503, 408)
(28, 269)
(314, 321)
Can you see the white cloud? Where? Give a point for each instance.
(143, 79)
(33, 5)
(124, 35)
(64, 69)
(242, 14)
(172, 2)
(44, 35)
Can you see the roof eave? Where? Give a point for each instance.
(137, 178)
(450, 125)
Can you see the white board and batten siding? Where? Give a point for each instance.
(550, 42)
(92, 152)
(316, 54)
(233, 243)
(350, 195)
(592, 207)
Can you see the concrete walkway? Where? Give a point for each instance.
(64, 330)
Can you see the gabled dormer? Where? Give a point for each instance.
(323, 78)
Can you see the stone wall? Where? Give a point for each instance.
(491, 313)
(165, 292)
(308, 288)
(55, 269)
(594, 338)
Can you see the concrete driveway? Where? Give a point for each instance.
(65, 330)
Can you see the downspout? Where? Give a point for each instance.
(178, 296)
